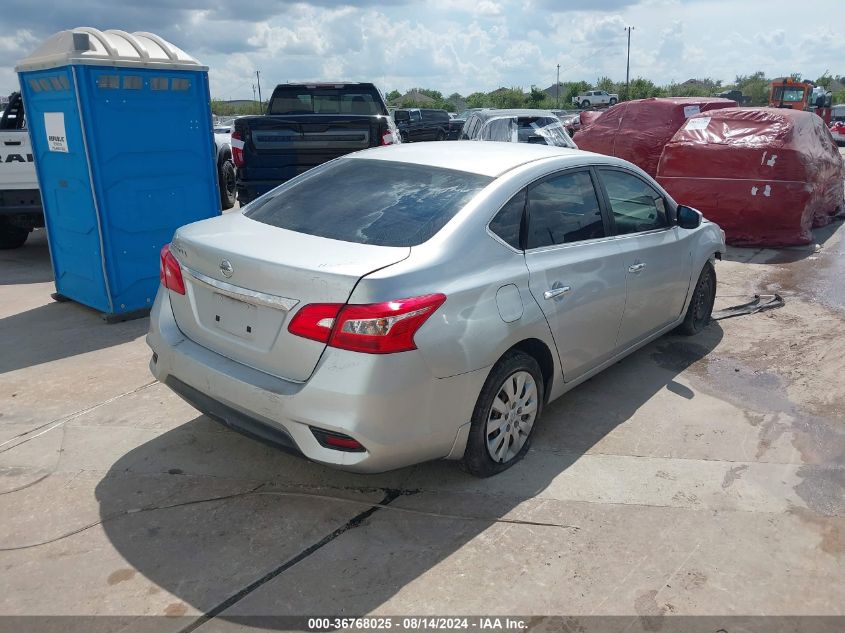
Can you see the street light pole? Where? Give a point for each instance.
(557, 87)
(628, 67)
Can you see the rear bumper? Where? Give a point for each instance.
(391, 404)
(23, 205)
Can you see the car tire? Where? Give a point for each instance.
(12, 236)
(613, 102)
(701, 305)
(441, 136)
(228, 185)
(515, 385)
(585, 104)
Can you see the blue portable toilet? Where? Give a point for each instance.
(122, 138)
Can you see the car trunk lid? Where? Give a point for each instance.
(244, 280)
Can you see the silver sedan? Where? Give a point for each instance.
(418, 302)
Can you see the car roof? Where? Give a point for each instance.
(487, 158)
(519, 112)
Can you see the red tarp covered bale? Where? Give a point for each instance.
(638, 130)
(765, 175)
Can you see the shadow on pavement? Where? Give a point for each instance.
(290, 548)
(785, 255)
(29, 264)
(59, 330)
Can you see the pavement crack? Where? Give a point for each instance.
(52, 424)
(389, 496)
(122, 513)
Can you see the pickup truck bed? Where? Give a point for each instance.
(306, 125)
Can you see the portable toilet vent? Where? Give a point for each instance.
(122, 138)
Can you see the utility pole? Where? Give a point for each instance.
(253, 92)
(258, 78)
(628, 68)
(557, 87)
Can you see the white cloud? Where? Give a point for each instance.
(458, 45)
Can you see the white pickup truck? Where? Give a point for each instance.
(20, 199)
(593, 98)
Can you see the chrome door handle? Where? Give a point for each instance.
(556, 292)
(635, 268)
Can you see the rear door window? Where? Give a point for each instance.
(564, 209)
(507, 224)
(377, 202)
(635, 205)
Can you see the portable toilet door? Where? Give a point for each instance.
(122, 138)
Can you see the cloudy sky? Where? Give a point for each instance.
(455, 45)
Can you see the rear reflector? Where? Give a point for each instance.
(170, 273)
(374, 328)
(337, 441)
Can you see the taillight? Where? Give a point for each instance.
(315, 321)
(237, 149)
(374, 328)
(170, 273)
(390, 133)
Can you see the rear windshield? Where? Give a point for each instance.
(326, 100)
(376, 202)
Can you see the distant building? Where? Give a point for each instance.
(413, 96)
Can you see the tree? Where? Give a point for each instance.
(456, 102)
(535, 97)
(507, 98)
(393, 95)
(645, 88)
(755, 86)
(478, 100)
(572, 89)
(606, 84)
(824, 81)
(225, 108)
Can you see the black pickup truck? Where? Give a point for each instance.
(307, 125)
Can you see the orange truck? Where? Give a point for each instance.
(800, 95)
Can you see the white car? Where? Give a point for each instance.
(595, 97)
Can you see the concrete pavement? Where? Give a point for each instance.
(699, 476)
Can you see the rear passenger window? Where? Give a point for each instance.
(635, 205)
(508, 220)
(564, 209)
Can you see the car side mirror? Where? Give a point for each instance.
(689, 218)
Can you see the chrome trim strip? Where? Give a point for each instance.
(243, 294)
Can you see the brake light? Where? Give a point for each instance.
(387, 137)
(375, 328)
(237, 149)
(315, 321)
(170, 273)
